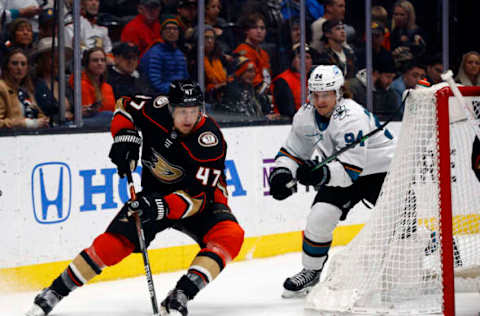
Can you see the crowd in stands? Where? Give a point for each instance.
(251, 58)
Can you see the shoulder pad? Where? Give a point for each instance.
(207, 143)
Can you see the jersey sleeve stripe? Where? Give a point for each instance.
(153, 121)
(120, 121)
(283, 152)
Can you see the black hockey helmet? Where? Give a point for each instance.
(185, 93)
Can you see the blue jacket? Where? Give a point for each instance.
(291, 9)
(162, 64)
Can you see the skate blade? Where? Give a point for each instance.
(296, 294)
(35, 310)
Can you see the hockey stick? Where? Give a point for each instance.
(143, 248)
(448, 77)
(335, 155)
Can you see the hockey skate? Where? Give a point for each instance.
(300, 284)
(174, 304)
(44, 302)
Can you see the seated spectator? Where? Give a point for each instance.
(409, 79)
(215, 64)
(434, 69)
(223, 31)
(187, 19)
(384, 98)
(46, 72)
(406, 39)
(291, 33)
(334, 10)
(333, 52)
(469, 71)
(380, 15)
(164, 61)
(123, 75)
(91, 34)
(98, 100)
(286, 87)
(253, 25)
(379, 51)
(240, 96)
(20, 35)
(17, 106)
(144, 29)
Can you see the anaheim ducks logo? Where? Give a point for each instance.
(162, 169)
(207, 139)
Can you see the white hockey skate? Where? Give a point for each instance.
(301, 283)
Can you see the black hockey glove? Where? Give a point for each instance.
(310, 174)
(125, 149)
(149, 207)
(278, 180)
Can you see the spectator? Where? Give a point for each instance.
(46, 72)
(187, 17)
(224, 36)
(14, 9)
(409, 79)
(406, 39)
(291, 9)
(17, 107)
(47, 23)
(333, 52)
(98, 100)
(384, 98)
(255, 31)
(145, 28)
(164, 61)
(123, 76)
(380, 15)
(378, 40)
(240, 96)
(334, 10)
(434, 69)
(469, 71)
(215, 64)
(91, 34)
(21, 35)
(291, 33)
(286, 87)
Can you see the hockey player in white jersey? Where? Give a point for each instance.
(329, 122)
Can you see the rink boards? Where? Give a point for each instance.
(58, 192)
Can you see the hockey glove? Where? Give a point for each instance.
(149, 207)
(311, 174)
(278, 180)
(125, 150)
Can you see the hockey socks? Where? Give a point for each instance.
(205, 267)
(107, 250)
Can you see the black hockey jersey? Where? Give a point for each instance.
(187, 170)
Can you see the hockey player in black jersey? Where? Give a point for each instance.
(184, 188)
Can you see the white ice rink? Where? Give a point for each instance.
(247, 288)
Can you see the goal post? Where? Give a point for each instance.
(423, 237)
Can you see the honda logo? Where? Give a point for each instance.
(51, 192)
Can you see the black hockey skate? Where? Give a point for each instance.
(44, 302)
(175, 304)
(300, 284)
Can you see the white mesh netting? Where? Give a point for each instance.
(393, 265)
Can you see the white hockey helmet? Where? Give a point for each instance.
(326, 78)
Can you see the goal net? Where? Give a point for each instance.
(423, 237)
